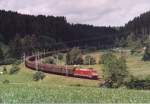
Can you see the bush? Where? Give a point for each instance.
(89, 60)
(6, 81)
(59, 56)
(14, 69)
(139, 84)
(146, 56)
(90, 49)
(106, 57)
(8, 61)
(50, 60)
(38, 76)
(133, 51)
(17, 62)
(4, 70)
(114, 71)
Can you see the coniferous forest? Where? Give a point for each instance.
(22, 33)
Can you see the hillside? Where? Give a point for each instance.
(63, 89)
(58, 28)
(25, 33)
(139, 26)
(137, 31)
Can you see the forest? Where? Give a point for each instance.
(56, 28)
(22, 33)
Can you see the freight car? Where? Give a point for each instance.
(31, 63)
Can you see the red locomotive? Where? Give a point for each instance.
(61, 70)
(90, 73)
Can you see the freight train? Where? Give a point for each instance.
(32, 63)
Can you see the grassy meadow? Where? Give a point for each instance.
(64, 89)
(37, 93)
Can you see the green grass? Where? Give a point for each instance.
(138, 67)
(25, 76)
(37, 93)
(135, 65)
(63, 89)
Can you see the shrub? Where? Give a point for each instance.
(6, 81)
(89, 60)
(146, 56)
(106, 57)
(50, 60)
(133, 51)
(17, 62)
(8, 61)
(77, 85)
(38, 76)
(60, 56)
(4, 70)
(91, 49)
(14, 69)
(139, 84)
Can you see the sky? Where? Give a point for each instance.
(94, 12)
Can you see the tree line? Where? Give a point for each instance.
(58, 28)
(25, 33)
(136, 33)
(20, 31)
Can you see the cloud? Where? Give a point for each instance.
(96, 12)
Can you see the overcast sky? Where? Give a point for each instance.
(96, 12)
